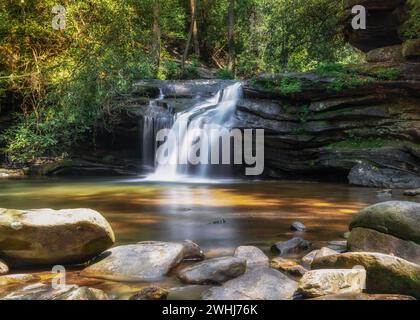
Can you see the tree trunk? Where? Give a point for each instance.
(156, 32)
(190, 33)
(231, 35)
(194, 27)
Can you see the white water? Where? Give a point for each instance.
(217, 110)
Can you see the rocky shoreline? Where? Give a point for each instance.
(379, 261)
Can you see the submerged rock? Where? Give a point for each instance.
(41, 291)
(298, 226)
(17, 279)
(291, 246)
(254, 256)
(385, 273)
(47, 237)
(192, 251)
(4, 269)
(286, 265)
(369, 240)
(258, 284)
(151, 293)
(215, 270)
(144, 261)
(317, 283)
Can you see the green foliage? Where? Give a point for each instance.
(225, 74)
(411, 29)
(363, 143)
(385, 74)
(290, 85)
(331, 69)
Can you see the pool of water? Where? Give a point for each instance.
(219, 216)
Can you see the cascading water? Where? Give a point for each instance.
(215, 111)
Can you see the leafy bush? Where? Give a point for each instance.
(225, 74)
(290, 85)
(385, 74)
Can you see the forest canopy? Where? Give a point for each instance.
(56, 83)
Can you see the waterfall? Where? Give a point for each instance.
(215, 111)
(151, 125)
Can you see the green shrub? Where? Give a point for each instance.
(330, 69)
(225, 74)
(290, 85)
(385, 74)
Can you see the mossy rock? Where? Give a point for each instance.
(400, 219)
(411, 49)
(49, 237)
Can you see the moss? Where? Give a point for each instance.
(364, 143)
(290, 85)
(385, 74)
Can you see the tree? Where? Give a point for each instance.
(192, 33)
(231, 35)
(156, 32)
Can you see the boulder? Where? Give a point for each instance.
(307, 259)
(385, 54)
(369, 240)
(217, 270)
(412, 192)
(289, 266)
(339, 246)
(254, 256)
(151, 293)
(411, 49)
(385, 273)
(400, 219)
(192, 251)
(298, 226)
(317, 283)
(17, 279)
(48, 237)
(41, 291)
(370, 176)
(364, 296)
(258, 284)
(4, 269)
(292, 246)
(144, 261)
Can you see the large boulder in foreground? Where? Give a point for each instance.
(258, 284)
(48, 237)
(4, 269)
(391, 227)
(215, 270)
(318, 283)
(385, 274)
(144, 261)
(400, 219)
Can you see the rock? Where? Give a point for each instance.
(338, 246)
(151, 293)
(411, 49)
(289, 266)
(317, 283)
(400, 219)
(48, 237)
(324, 252)
(192, 251)
(387, 193)
(385, 273)
(254, 256)
(219, 221)
(4, 269)
(192, 292)
(144, 261)
(386, 54)
(298, 226)
(369, 240)
(307, 259)
(216, 270)
(412, 192)
(346, 235)
(364, 296)
(291, 246)
(370, 176)
(41, 291)
(17, 279)
(258, 284)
